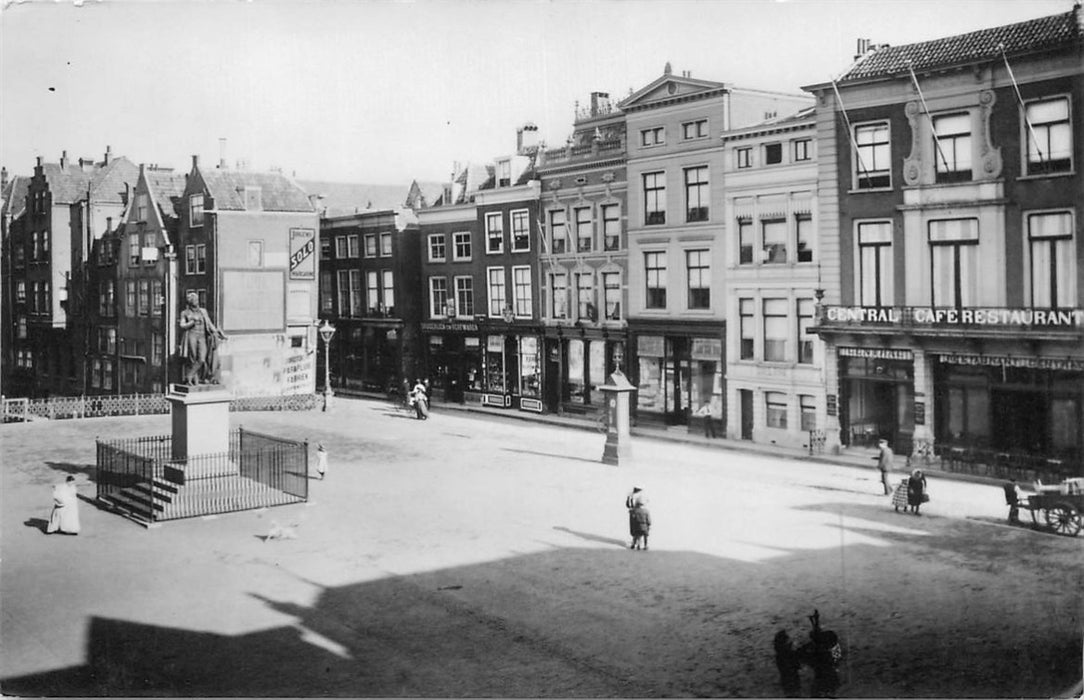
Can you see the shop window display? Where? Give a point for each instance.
(494, 364)
(530, 367)
(651, 396)
(576, 368)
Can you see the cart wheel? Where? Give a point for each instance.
(1063, 519)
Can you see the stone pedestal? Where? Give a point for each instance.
(201, 420)
(618, 439)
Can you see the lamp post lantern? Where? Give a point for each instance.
(326, 331)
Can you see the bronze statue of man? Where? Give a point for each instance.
(199, 343)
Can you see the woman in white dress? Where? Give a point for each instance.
(65, 516)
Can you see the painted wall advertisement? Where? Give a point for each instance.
(302, 254)
(267, 366)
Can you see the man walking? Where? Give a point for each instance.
(884, 464)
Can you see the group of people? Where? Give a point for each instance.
(639, 517)
(911, 492)
(822, 653)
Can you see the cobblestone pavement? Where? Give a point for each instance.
(470, 555)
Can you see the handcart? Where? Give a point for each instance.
(1058, 508)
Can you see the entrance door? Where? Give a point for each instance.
(745, 399)
(1020, 417)
(552, 376)
(678, 376)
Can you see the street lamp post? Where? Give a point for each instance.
(326, 331)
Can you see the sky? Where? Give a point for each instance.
(383, 92)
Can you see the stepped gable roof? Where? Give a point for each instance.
(344, 198)
(278, 192)
(67, 185)
(14, 196)
(109, 182)
(1032, 36)
(166, 189)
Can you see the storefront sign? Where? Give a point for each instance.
(920, 413)
(495, 343)
(449, 326)
(830, 409)
(302, 257)
(1051, 363)
(707, 349)
(649, 346)
(931, 316)
(877, 353)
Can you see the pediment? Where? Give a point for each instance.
(667, 87)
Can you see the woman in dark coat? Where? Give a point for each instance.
(916, 490)
(639, 525)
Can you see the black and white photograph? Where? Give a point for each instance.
(542, 348)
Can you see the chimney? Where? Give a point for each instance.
(600, 103)
(195, 162)
(63, 159)
(222, 153)
(108, 155)
(862, 48)
(3, 177)
(526, 138)
(108, 224)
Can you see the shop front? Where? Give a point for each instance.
(1010, 404)
(471, 362)
(369, 355)
(877, 397)
(577, 364)
(679, 376)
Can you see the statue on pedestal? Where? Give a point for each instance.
(199, 343)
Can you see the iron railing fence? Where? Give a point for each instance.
(62, 407)
(140, 476)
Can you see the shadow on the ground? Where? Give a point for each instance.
(590, 537)
(40, 523)
(552, 454)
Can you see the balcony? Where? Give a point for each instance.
(972, 322)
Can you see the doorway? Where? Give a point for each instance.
(745, 401)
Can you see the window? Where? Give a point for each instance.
(558, 295)
(370, 245)
(1049, 136)
(611, 226)
(802, 149)
(46, 297)
(654, 198)
(20, 291)
(652, 137)
(744, 157)
(344, 292)
(1051, 255)
(436, 247)
(521, 281)
(585, 297)
(655, 280)
(952, 147)
(158, 349)
(694, 130)
(954, 261)
(521, 230)
(158, 299)
(773, 153)
(107, 340)
(357, 305)
(775, 241)
(808, 406)
(611, 295)
(325, 249)
(195, 210)
(875, 263)
(464, 296)
(255, 253)
(20, 331)
(387, 278)
(144, 303)
(698, 267)
(872, 156)
(696, 193)
(805, 338)
(504, 173)
(372, 292)
(385, 245)
(494, 232)
(583, 229)
(107, 374)
(341, 251)
(462, 245)
(141, 206)
(747, 322)
(130, 298)
(803, 225)
(327, 299)
(497, 298)
(96, 373)
(19, 253)
(745, 241)
(353, 246)
(106, 300)
(201, 297)
(775, 330)
(776, 405)
(133, 249)
(558, 234)
(438, 296)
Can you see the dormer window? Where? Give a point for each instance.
(253, 198)
(504, 173)
(195, 210)
(141, 206)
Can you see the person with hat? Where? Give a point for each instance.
(639, 517)
(884, 463)
(916, 490)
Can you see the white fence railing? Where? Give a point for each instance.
(60, 407)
